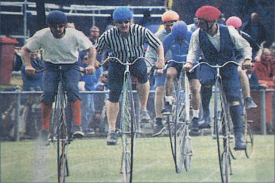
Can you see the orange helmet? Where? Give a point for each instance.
(170, 16)
(234, 21)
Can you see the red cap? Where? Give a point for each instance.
(208, 13)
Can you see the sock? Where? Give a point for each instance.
(206, 94)
(196, 113)
(169, 99)
(46, 114)
(159, 121)
(76, 111)
(236, 116)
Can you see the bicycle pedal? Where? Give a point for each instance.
(239, 149)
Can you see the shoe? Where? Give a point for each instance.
(167, 109)
(195, 124)
(89, 132)
(239, 142)
(43, 138)
(158, 130)
(205, 122)
(112, 138)
(144, 117)
(77, 132)
(249, 103)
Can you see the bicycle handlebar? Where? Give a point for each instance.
(215, 66)
(179, 62)
(127, 63)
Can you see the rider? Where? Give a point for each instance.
(218, 44)
(178, 42)
(60, 47)
(168, 18)
(237, 23)
(126, 42)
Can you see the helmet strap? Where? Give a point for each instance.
(208, 28)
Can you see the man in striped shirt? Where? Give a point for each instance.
(126, 41)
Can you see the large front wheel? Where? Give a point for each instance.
(221, 120)
(60, 134)
(128, 129)
(179, 126)
(249, 139)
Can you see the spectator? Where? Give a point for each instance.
(110, 22)
(94, 34)
(33, 82)
(130, 37)
(95, 31)
(168, 18)
(254, 28)
(253, 80)
(31, 110)
(87, 83)
(265, 69)
(99, 102)
(8, 120)
(194, 26)
(146, 19)
(266, 75)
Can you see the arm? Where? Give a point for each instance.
(241, 45)
(155, 43)
(90, 69)
(194, 51)
(160, 52)
(25, 55)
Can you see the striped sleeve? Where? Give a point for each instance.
(151, 39)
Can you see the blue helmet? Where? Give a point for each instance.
(122, 13)
(179, 30)
(56, 17)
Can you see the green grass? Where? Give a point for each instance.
(91, 160)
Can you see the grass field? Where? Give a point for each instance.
(91, 160)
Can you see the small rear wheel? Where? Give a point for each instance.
(249, 142)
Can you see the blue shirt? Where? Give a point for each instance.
(179, 50)
(30, 81)
(90, 80)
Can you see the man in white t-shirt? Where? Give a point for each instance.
(60, 46)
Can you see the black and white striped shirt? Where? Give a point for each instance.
(131, 47)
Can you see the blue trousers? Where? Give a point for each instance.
(70, 74)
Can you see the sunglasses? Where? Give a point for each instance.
(95, 31)
(86, 58)
(169, 25)
(124, 21)
(55, 26)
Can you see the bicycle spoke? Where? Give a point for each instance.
(178, 126)
(60, 134)
(128, 130)
(188, 153)
(222, 120)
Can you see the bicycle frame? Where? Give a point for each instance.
(221, 118)
(128, 125)
(60, 131)
(179, 133)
